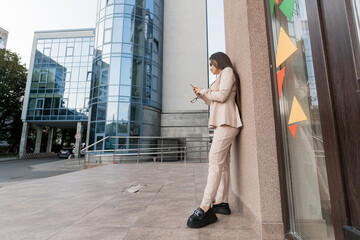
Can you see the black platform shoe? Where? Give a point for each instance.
(200, 219)
(222, 208)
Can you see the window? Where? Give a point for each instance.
(107, 37)
(117, 35)
(134, 129)
(104, 77)
(115, 71)
(111, 114)
(157, 11)
(2, 43)
(32, 103)
(123, 111)
(108, 23)
(39, 103)
(88, 76)
(77, 49)
(69, 51)
(101, 112)
(55, 102)
(47, 51)
(304, 156)
(156, 45)
(91, 50)
(126, 71)
(135, 112)
(150, 5)
(67, 76)
(131, 2)
(64, 103)
(127, 34)
(47, 103)
(43, 77)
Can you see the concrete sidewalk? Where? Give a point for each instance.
(94, 204)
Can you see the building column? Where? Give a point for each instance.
(88, 128)
(78, 140)
(49, 141)
(23, 141)
(39, 131)
(254, 158)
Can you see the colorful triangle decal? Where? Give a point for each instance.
(272, 4)
(285, 48)
(277, 2)
(293, 130)
(296, 113)
(280, 78)
(287, 7)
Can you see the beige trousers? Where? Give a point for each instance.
(219, 172)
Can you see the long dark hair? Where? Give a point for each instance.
(220, 60)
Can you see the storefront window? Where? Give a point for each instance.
(306, 176)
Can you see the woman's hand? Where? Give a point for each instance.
(197, 91)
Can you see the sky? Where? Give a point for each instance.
(22, 17)
(216, 29)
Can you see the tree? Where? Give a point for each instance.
(13, 77)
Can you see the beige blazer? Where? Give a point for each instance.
(221, 98)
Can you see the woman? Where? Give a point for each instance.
(223, 96)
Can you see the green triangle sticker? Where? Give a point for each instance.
(287, 7)
(272, 3)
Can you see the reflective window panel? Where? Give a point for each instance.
(60, 85)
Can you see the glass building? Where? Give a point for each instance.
(109, 77)
(126, 81)
(2, 43)
(60, 80)
(3, 38)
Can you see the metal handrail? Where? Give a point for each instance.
(93, 144)
(142, 149)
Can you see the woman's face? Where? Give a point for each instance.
(213, 69)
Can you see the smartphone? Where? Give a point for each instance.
(192, 84)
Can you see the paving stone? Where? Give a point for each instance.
(92, 204)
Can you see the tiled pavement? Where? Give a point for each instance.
(92, 204)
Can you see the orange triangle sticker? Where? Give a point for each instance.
(285, 48)
(293, 130)
(296, 113)
(277, 2)
(280, 78)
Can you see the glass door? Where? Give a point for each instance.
(306, 176)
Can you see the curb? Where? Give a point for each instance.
(8, 159)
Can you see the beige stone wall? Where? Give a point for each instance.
(184, 61)
(255, 178)
(185, 54)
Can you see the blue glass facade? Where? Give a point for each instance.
(2, 43)
(127, 67)
(60, 81)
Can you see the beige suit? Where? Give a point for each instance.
(221, 98)
(225, 119)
